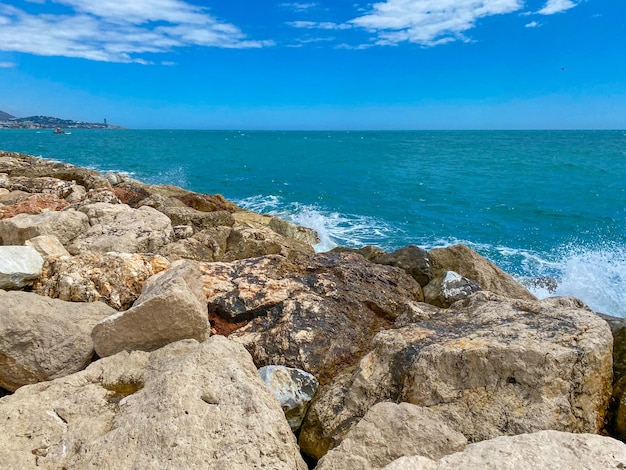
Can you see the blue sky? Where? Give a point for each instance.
(393, 64)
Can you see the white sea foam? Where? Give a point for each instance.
(334, 229)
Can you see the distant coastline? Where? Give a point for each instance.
(8, 121)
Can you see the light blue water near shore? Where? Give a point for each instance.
(537, 203)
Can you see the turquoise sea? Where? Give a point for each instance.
(537, 203)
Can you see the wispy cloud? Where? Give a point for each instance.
(429, 22)
(299, 6)
(114, 31)
(7, 65)
(532, 24)
(557, 6)
(319, 25)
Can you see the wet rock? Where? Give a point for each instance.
(294, 389)
(117, 227)
(490, 365)
(448, 288)
(469, 264)
(42, 338)
(389, 431)
(19, 266)
(187, 405)
(317, 313)
(113, 278)
(171, 307)
(543, 450)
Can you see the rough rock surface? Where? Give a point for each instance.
(187, 405)
(65, 225)
(469, 264)
(543, 450)
(449, 287)
(389, 431)
(171, 307)
(280, 226)
(492, 366)
(19, 266)
(113, 278)
(252, 240)
(318, 313)
(294, 389)
(33, 204)
(43, 338)
(48, 246)
(208, 245)
(117, 227)
(616, 421)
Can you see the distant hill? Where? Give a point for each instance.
(5, 116)
(47, 122)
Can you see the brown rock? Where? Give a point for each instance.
(253, 240)
(34, 204)
(113, 278)
(449, 287)
(317, 313)
(469, 264)
(65, 225)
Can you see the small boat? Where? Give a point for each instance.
(58, 130)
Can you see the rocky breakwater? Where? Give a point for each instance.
(146, 326)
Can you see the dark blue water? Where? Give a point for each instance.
(535, 202)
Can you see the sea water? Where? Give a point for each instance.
(537, 203)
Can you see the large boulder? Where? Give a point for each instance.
(318, 313)
(187, 405)
(48, 246)
(19, 266)
(490, 365)
(171, 307)
(118, 227)
(113, 278)
(389, 431)
(469, 264)
(65, 225)
(42, 338)
(207, 245)
(616, 421)
(543, 450)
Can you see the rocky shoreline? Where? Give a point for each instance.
(147, 326)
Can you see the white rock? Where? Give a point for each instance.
(19, 266)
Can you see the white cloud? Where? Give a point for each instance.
(532, 24)
(319, 25)
(299, 6)
(556, 6)
(115, 31)
(7, 65)
(429, 22)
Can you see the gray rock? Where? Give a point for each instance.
(65, 225)
(389, 431)
(449, 287)
(185, 406)
(294, 389)
(171, 307)
(19, 266)
(414, 260)
(543, 450)
(117, 227)
(42, 338)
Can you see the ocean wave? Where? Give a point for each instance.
(334, 229)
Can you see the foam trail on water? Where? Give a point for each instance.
(334, 229)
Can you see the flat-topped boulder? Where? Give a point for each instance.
(65, 225)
